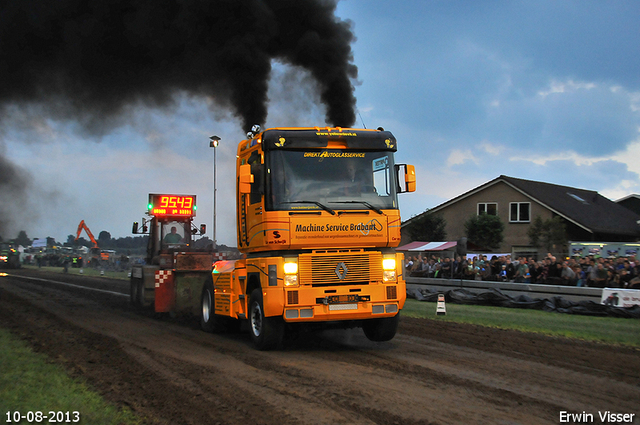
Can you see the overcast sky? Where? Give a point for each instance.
(544, 90)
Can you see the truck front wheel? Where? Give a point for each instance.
(382, 329)
(266, 332)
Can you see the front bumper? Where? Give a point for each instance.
(346, 303)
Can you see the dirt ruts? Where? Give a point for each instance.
(169, 372)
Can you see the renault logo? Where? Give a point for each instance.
(341, 270)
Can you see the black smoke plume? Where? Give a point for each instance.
(91, 58)
(14, 181)
(91, 61)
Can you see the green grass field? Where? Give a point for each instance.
(609, 330)
(30, 383)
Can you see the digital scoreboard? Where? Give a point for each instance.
(161, 205)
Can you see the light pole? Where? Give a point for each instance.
(214, 141)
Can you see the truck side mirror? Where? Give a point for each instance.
(245, 178)
(410, 178)
(203, 229)
(406, 181)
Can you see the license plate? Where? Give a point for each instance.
(343, 299)
(340, 299)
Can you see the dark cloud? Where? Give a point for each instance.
(92, 63)
(591, 120)
(92, 59)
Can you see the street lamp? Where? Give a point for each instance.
(214, 141)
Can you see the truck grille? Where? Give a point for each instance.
(336, 267)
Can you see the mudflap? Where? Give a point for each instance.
(165, 291)
(188, 290)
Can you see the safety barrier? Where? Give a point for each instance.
(586, 301)
(534, 290)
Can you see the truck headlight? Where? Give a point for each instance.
(290, 273)
(291, 280)
(389, 269)
(388, 264)
(290, 268)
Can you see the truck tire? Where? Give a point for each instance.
(133, 291)
(382, 329)
(136, 292)
(266, 332)
(209, 321)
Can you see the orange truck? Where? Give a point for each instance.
(318, 223)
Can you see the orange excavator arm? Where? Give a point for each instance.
(81, 226)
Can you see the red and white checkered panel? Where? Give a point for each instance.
(163, 276)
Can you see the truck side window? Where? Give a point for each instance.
(381, 177)
(257, 171)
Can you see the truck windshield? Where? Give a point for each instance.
(330, 178)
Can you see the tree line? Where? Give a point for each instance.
(105, 241)
(128, 244)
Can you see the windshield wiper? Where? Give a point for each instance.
(324, 207)
(368, 205)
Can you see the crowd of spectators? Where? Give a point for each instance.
(599, 272)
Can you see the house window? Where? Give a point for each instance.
(520, 212)
(490, 208)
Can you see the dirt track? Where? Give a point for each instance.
(170, 372)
